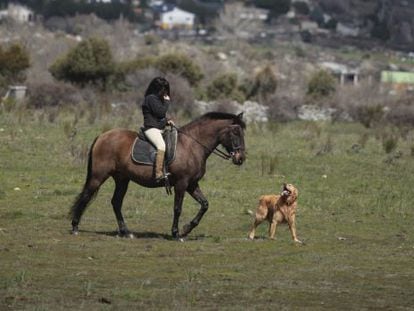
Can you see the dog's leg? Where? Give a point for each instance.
(292, 227)
(257, 222)
(272, 229)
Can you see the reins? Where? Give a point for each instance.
(216, 151)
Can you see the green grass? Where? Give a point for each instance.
(355, 216)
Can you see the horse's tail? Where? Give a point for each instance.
(87, 194)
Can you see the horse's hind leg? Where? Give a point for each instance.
(121, 187)
(89, 191)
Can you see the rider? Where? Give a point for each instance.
(154, 109)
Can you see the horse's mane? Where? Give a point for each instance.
(214, 115)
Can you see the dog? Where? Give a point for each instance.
(277, 209)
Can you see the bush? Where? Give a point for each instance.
(331, 24)
(283, 108)
(52, 95)
(139, 80)
(181, 65)
(13, 61)
(380, 31)
(90, 61)
(151, 39)
(264, 84)
(389, 142)
(275, 7)
(182, 95)
(140, 62)
(225, 87)
(369, 115)
(301, 7)
(321, 84)
(401, 112)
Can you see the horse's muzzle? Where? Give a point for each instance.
(237, 157)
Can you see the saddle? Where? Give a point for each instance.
(144, 152)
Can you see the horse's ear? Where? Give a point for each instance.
(240, 115)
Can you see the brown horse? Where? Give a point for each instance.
(110, 156)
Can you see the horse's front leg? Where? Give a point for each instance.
(200, 198)
(178, 203)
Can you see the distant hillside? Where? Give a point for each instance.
(389, 20)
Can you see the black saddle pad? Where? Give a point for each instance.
(143, 152)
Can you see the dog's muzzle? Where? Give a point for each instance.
(285, 192)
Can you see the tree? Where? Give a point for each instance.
(321, 84)
(265, 84)
(204, 10)
(90, 61)
(225, 86)
(381, 31)
(301, 7)
(232, 26)
(14, 60)
(275, 7)
(181, 65)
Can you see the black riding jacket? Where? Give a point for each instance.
(155, 112)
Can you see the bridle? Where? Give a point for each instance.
(226, 156)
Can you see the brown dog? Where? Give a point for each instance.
(277, 209)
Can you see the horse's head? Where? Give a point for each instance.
(232, 139)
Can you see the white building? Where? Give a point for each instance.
(99, 1)
(15, 92)
(347, 30)
(176, 18)
(20, 13)
(342, 72)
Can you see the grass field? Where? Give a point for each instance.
(355, 215)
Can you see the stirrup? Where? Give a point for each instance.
(163, 177)
(167, 184)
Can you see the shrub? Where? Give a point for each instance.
(364, 104)
(222, 86)
(282, 108)
(13, 61)
(52, 95)
(151, 39)
(139, 80)
(140, 62)
(8, 104)
(389, 142)
(380, 31)
(265, 84)
(90, 61)
(180, 64)
(401, 112)
(182, 95)
(331, 24)
(275, 7)
(301, 7)
(369, 115)
(321, 84)
(225, 87)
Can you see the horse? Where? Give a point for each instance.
(110, 156)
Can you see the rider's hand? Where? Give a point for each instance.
(171, 122)
(166, 97)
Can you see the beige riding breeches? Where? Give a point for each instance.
(154, 135)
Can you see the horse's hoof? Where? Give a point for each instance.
(175, 235)
(75, 232)
(127, 235)
(181, 240)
